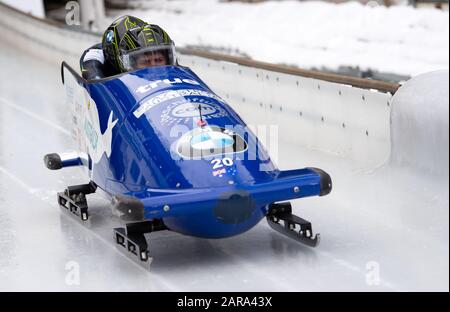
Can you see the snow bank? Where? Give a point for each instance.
(400, 39)
(420, 123)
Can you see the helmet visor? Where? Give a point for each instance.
(160, 55)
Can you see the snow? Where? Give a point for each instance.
(420, 111)
(399, 39)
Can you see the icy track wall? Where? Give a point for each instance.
(336, 118)
(420, 123)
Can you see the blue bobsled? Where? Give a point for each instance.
(174, 155)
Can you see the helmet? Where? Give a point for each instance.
(130, 43)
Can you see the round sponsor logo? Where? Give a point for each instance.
(183, 111)
(109, 36)
(209, 141)
(192, 110)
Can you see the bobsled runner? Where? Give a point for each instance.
(172, 155)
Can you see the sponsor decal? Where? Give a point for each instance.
(97, 143)
(184, 111)
(171, 95)
(91, 134)
(165, 82)
(225, 164)
(219, 172)
(86, 123)
(191, 110)
(209, 141)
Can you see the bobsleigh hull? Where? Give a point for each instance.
(165, 147)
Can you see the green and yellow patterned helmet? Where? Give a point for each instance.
(130, 43)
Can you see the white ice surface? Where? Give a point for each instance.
(389, 220)
(398, 39)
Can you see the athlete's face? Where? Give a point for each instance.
(151, 59)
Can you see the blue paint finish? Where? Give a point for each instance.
(71, 162)
(220, 196)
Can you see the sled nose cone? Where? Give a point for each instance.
(234, 207)
(325, 181)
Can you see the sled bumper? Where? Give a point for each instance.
(158, 204)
